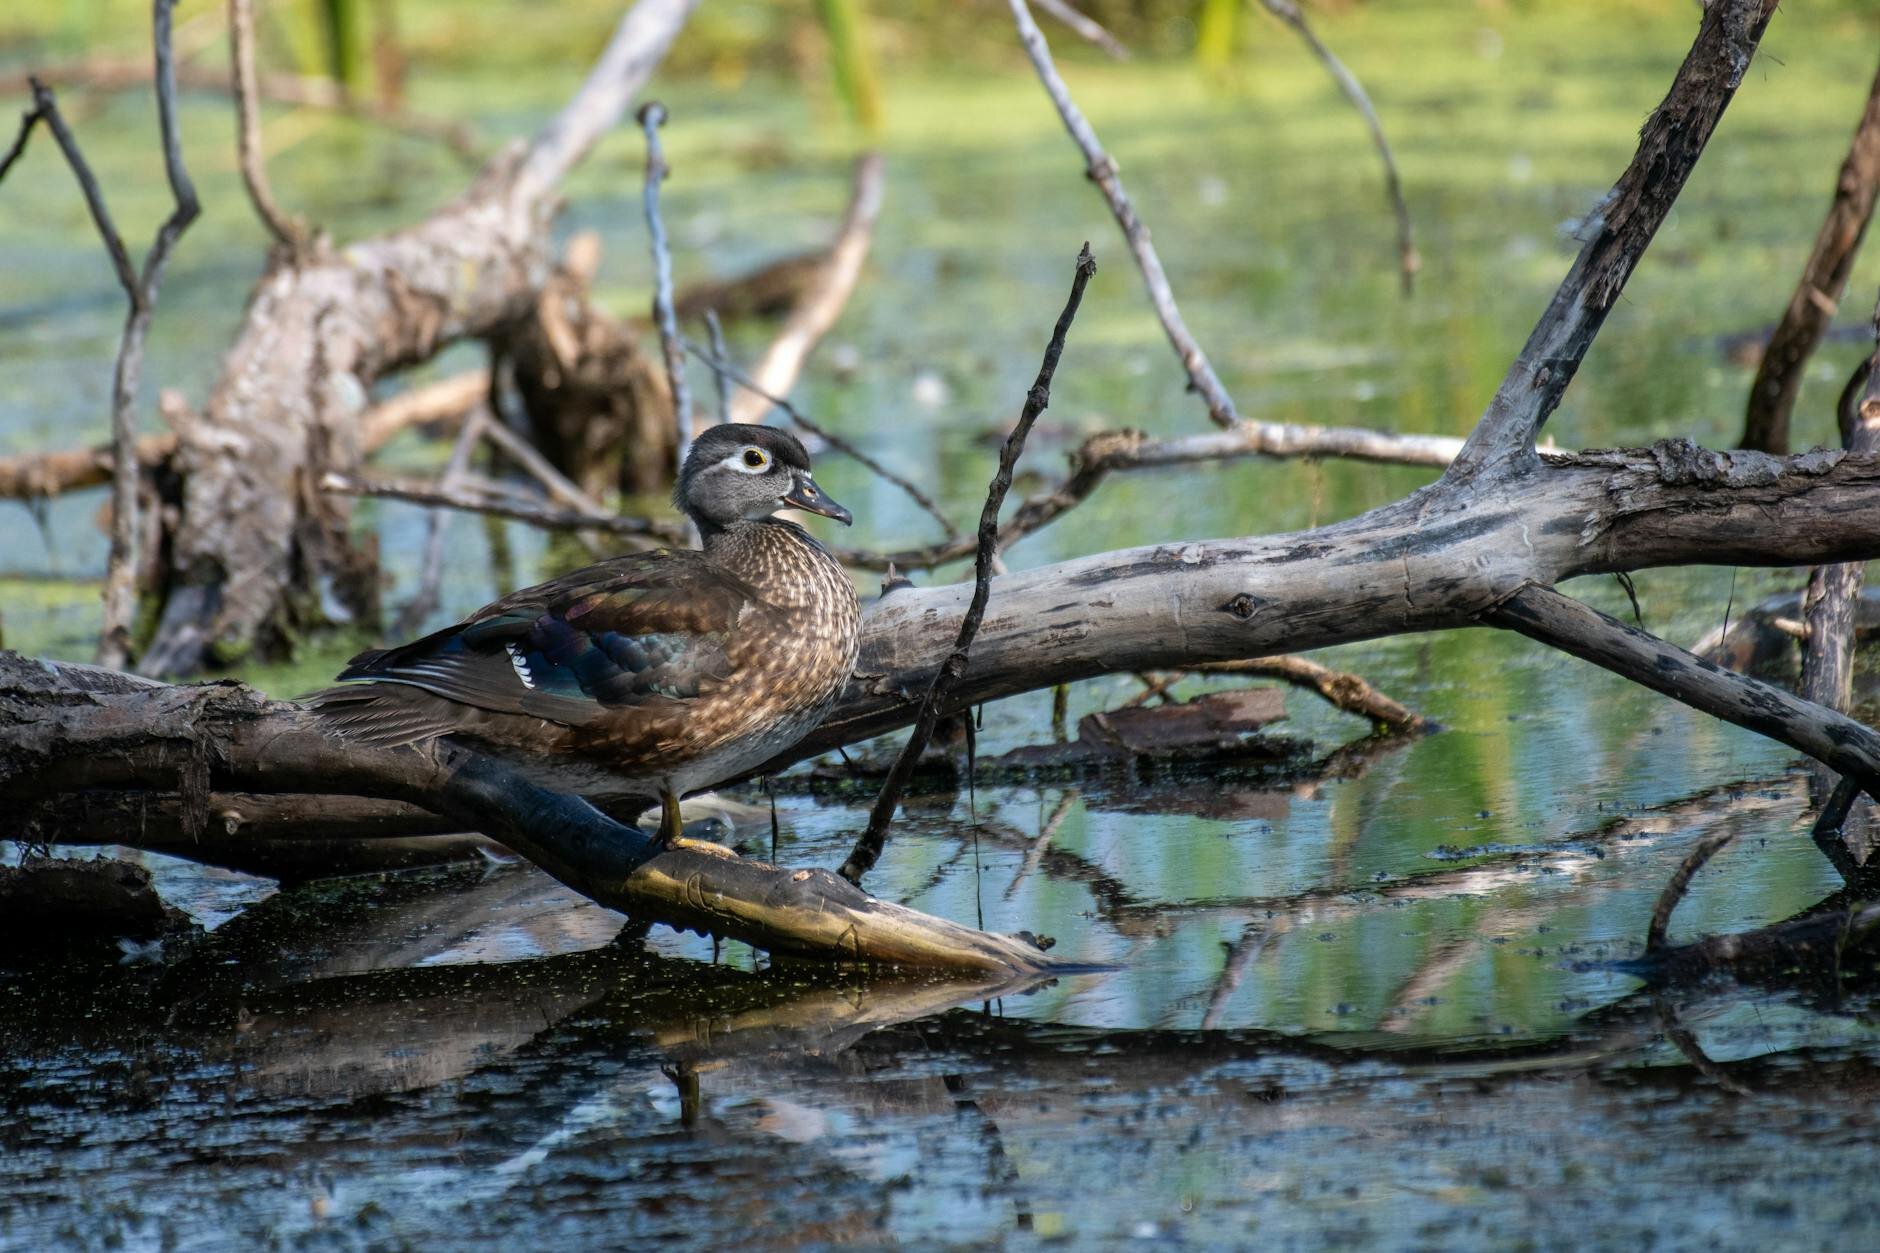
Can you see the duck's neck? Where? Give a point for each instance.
(780, 559)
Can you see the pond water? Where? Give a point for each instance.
(1365, 1009)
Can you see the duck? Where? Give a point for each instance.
(643, 678)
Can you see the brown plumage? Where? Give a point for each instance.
(646, 676)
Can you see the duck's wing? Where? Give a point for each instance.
(652, 627)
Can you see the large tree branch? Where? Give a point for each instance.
(1438, 560)
(1617, 232)
(1543, 614)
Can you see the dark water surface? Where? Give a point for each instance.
(1357, 1006)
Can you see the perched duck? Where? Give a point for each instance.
(647, 676)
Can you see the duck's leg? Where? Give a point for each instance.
(671, 827)
(671, 833)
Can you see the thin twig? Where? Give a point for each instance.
(1086, 28)
(120, 588)
(1408, 260)
(475, 496)
(531, 461)
(868, 848)
(1680, 883)
(289, 231)
(724, 369)
(721, 383)
(652, 116)
(1102, 169)
(437, 526)
(777, 369)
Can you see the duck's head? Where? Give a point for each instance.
(737, 472)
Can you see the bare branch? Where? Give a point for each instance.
(472, 496)
(1679, 884)
(120, 588)
(1408, 261)
(652, 117)
(1086, 29)
(1818, 294)
(868, 848)
(721, 383)
(1831, 602)
(638, 44)
(1103, 172)
(777, 370)
(1341, 689)
(289, 231)
(1543, 614)
(1617, 232)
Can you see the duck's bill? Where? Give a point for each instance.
(807, 496)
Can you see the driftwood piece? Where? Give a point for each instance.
(1818, 293)
(72, 727)
(257, 553)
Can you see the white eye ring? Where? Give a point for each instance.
(742, 462)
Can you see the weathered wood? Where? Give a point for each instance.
(255, 552)
(65, 728)
(1438, 560)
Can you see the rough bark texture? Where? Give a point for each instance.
(76, 727)
(259, 550)
(1440, 559)
(1824, 278)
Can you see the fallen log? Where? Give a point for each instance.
(67, 727)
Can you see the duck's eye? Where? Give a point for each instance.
(755, 458)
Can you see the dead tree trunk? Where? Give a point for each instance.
(260, 551)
